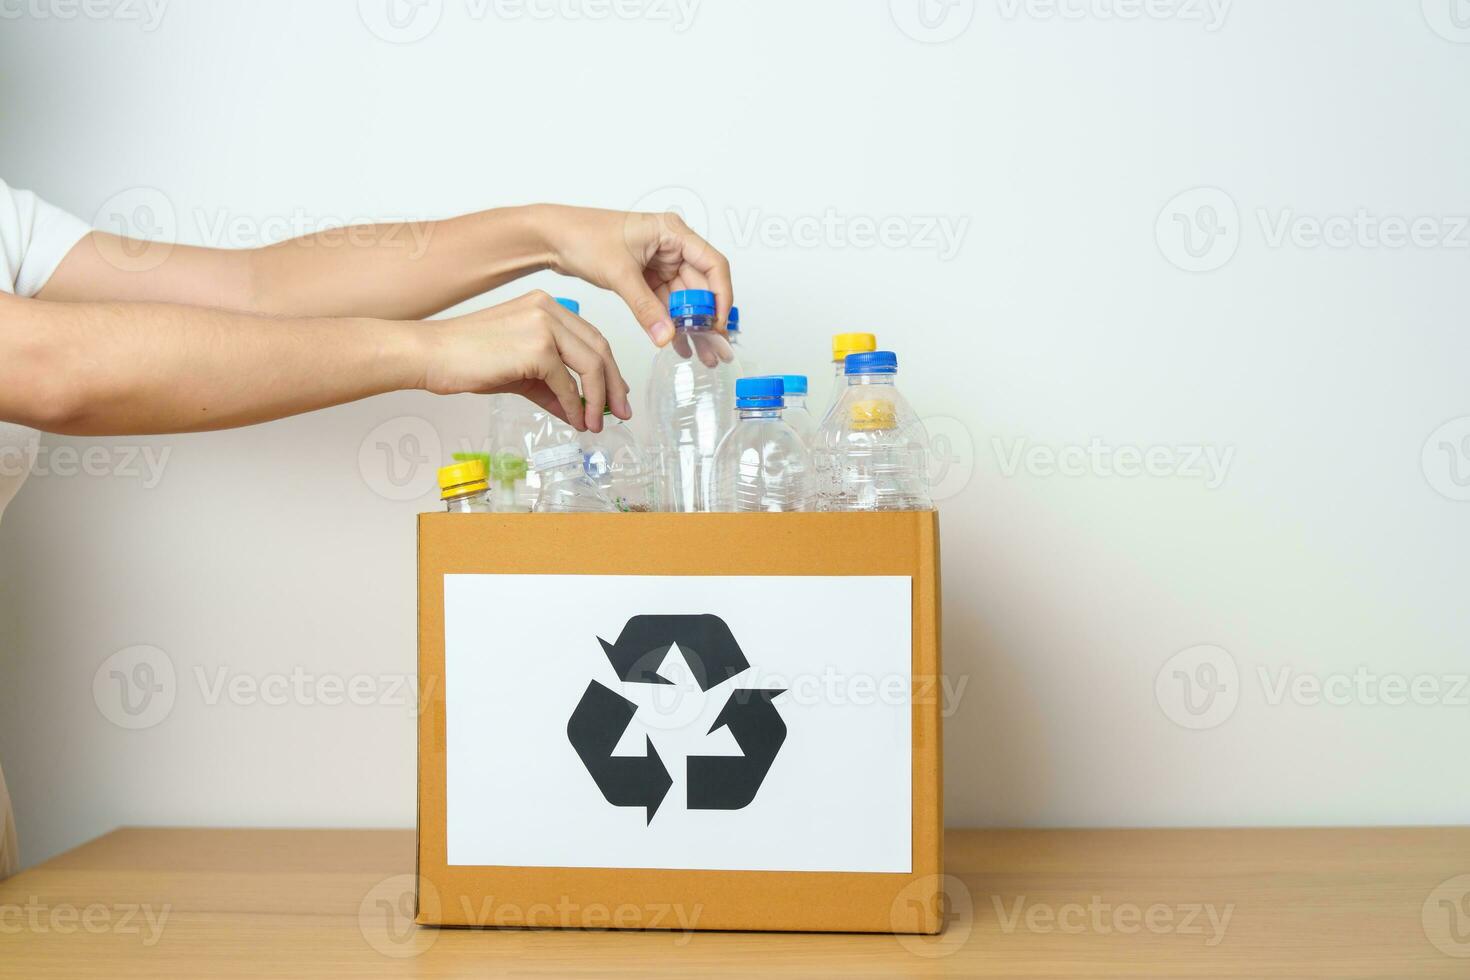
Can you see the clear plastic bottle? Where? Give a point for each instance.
(565, 486)
(616, 463)
(842, 345)
(762, 466)
(462, 487)
(871, 449)
(519, 429)
(741, 365)
(508, 472)
(691, 398)
(796, 414)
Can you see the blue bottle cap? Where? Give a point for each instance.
(733, 324)
(872, 362)
(795, 384)
(691, 302)
(760, 393)
(570, 304)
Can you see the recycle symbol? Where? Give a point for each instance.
(715, 782)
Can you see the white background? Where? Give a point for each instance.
(1328, 547)
(836, 798)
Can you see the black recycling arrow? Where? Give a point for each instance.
(730, 782)
(708, 645)
(594, 729)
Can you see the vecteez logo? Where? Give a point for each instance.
(1198, 687)
(401, 21)
(1201, 229)
(1445, 917)
(1210, 14)
(1198, 230)
(1450, 19)
(135, 688)
(932, 21)
(410, 21)
(1445, 459)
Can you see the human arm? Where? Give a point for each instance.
(135, 368)
(409, 270)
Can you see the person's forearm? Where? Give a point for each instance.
(142, 368)
(409, 270)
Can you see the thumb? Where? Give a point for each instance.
(646, 307)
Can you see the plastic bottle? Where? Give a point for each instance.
(691, 401)
(462, 487)
(842, 345)
(508, 472)
(762, 466)
(796, 414)
(616, 463)
(742, 364)
(871, 449)
(565, 486)
(520, 428)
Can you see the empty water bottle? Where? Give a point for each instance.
(508, 472)
(842, 345)
(871, 450)
(519, 428)
(565, 486)
(691, 398)
(616, 463)
(462, 487)
(762, 465)
(741, 365)
(796, 414)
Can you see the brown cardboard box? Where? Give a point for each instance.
(500, 772)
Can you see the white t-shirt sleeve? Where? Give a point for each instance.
(34, 238)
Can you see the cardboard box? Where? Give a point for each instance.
(684, 721)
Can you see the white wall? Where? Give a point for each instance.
(1334, 542)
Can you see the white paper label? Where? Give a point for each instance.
(556, 686)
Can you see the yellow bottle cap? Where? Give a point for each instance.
(873, 414)
(852, 343)
(462, 478)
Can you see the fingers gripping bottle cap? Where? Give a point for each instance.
(759, 393)
(570, 304)
(554, 456)
(872, 362)
(691, 302)
(732, 324)
(852, 343)
(873, 415)
(462, 478)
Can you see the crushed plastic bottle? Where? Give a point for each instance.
(565, 486)
(462, 487)
(762, 465)
(691, 400)
(616, 463)
(871, 449)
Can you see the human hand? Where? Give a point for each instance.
(640, 256)
(529, 346)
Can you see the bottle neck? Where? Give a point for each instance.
(462, 503)
(566, 471)
(747, 414)
(871, 379)
(694, 324)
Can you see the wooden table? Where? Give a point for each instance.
(1142, 903)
